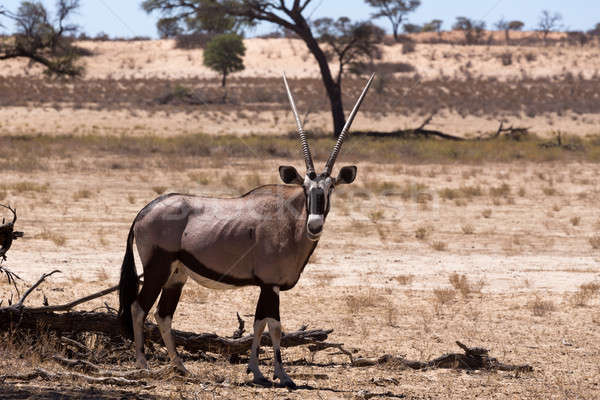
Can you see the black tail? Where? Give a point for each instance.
(128, 287)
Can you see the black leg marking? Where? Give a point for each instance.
(169, 299)
(156, 274)
(278, 356)
(268, 304)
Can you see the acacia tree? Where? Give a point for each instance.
(435, 25)
(43, 41)
(508, 26)
(472, 29)
(548, 22)
(394, 10)
(286, 14)
(348, 42)
(224, 54)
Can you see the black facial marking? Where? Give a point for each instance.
(268, 304)
(317, 201)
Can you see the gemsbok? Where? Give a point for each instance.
(263, 238)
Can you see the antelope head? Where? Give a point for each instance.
(318, 187)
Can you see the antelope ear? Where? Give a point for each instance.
(289, 174)
(346, 175)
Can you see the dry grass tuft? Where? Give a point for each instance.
(159, 189)
(595, 241)
(444, 296)
(585, 294)
(200, 178)
(82, 194)
(404, 280)
(487, 213)
(438, 245)
(468, 229)
(423, 232)
(575, 221)
(541, 307)
(56, 238)
(358, 302)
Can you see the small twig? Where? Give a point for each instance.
(240, 330)
(31, 289)
(75, 343)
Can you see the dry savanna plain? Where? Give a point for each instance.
(494, 243)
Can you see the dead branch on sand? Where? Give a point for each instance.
(474, 358)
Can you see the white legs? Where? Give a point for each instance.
(275, 332)
(138, 315)
(267, 312)
(164, 325)
(259, 378)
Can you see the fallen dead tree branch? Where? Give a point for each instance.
(420, 131)
(54, 376)
(474, 358)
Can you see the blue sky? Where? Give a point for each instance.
(124, 18)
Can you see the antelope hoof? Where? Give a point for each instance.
(288, 383)
(262, 381)
(180, 369)
(141, 363)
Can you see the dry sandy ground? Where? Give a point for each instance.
(271, 57)
(375, 278)
(268, 58)
(68, 121)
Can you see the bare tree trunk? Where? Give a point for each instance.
(332, 87)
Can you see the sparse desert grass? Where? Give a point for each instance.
(500, 191)
(2, 194)
(404, 279)
(439, 245)
(460, 193)
(358, 302)
(585, 294)
(462, 284)
(252, 180)
(595, 241)
(443, 296)
(131, 198)
(575, 221)
(82, 194)
(376, 215)
(58, 239)
(24, 187)
(423, 232)
(200, 178)
(486, 213)
(549, 191)
(159, 189)
(467, 229)
(540, 307)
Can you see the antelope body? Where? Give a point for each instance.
(263, 238)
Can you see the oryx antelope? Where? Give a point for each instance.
(263, 238)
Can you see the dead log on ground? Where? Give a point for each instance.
(420, 131)
(20, 318)
(474, 358)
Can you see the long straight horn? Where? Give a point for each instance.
(344, 132)
(310, 168)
